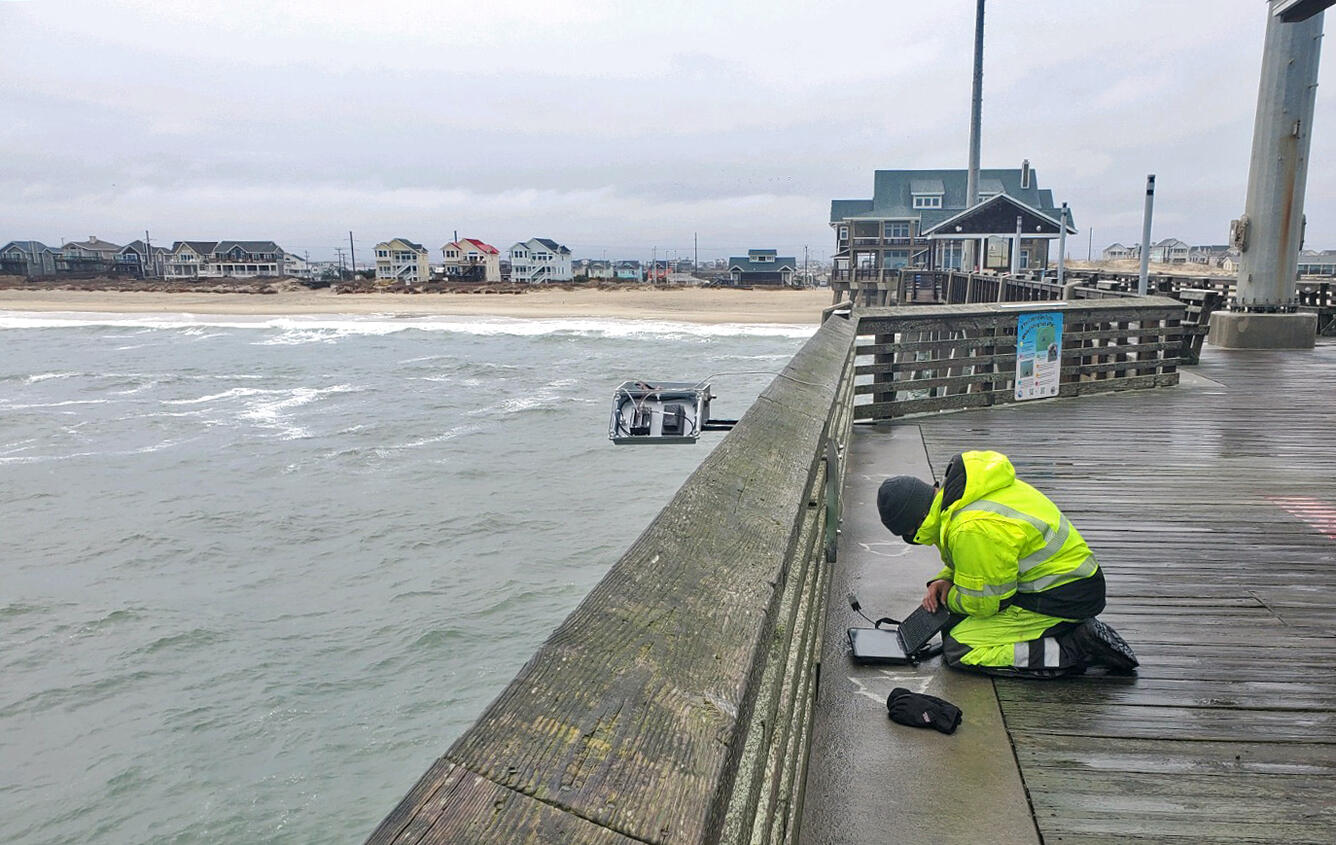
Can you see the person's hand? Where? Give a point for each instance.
(936, 594)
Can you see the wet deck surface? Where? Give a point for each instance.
(1212, 508)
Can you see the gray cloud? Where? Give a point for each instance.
(610, 126)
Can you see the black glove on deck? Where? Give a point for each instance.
(922, 711)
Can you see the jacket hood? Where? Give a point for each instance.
(984, 473)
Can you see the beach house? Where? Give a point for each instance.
(401, 260)
(598, 270)
(90, 257)
(471, 260)
(762, 267)
(539, 261)
(141, 260)
(1170, 251)
(628, 271)
(186, 259)
(230, 259)
(28, 258)
(243, 260)
(1317, 263)
(1118, 252)
(296, 266)
(921, 218)
(1208, 254)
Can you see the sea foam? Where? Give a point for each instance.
(321, 328)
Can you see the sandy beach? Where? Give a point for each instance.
(696, 305)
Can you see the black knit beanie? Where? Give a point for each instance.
(903, 502)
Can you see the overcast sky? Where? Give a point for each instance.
(614, 127)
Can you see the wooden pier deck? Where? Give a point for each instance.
(1212, 508)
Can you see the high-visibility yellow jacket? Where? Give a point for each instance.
(1004, 542)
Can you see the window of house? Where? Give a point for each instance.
(897, 229)
(925, 201)
(843, 233)
(895, 259)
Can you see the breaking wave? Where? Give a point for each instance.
(324, 328)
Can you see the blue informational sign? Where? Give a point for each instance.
(1038, 355)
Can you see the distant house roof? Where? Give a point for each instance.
(893, 195)
(202, 247)
(628, 265)
(28, 247)
(991, 186)
(249, 246)
(94, 245)
(138, 247)
(485, 247)
(413, 245)
(553, 246)
(990, 217)
(745, 264)
(1173, 243)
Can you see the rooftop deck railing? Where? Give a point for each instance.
(674, 704)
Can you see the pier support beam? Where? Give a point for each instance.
(1270, 232)
(1246, 330)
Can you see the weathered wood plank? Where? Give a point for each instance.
(1174, 756)
(1228, 731)
(480, 810)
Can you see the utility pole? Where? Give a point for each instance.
(338, 250)
(695, 253)
(148, 256)
(1090, 245)
(352, 251)
(1263, 314)
(807, 276)
(1145, 236)
(976, 124)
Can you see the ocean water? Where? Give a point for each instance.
(257, 574)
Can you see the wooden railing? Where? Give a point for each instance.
(945, 357)
(953, 287)
(675, 703)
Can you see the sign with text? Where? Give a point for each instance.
(1038, 354)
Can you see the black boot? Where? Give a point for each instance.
(1102, 646)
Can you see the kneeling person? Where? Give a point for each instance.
(1022, 585)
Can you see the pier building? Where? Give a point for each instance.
(912, 217)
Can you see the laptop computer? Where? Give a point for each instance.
(884, 645)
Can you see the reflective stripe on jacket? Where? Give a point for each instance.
(1004, 542)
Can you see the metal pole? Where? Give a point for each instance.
(976, 110)
(1016, 247)
(1273, 212)
(352, 252)
(1015, 262)
(1145, 235)
(976, 121)
(1062, 242)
